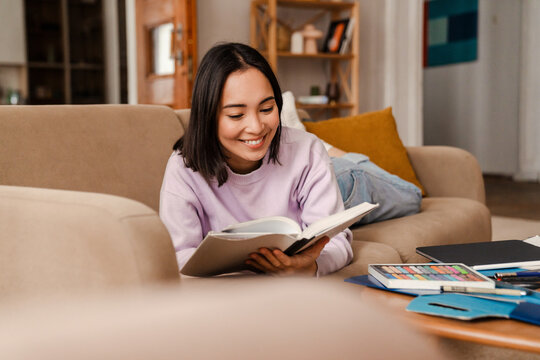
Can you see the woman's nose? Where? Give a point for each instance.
(255, 125)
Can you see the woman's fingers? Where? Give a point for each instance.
(284, 259)
(263, 262)
(254, 266)
(272, 259)
(277, 262)
(315, 250)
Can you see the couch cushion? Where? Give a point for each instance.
(66, 241)
(113, 149)
(440, 221)
(373, 134)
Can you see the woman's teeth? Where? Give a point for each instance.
(253, 142)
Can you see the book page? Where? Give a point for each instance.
(334, 221)
(268, 225)
(238, 236)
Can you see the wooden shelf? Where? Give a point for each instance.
(65, 51)
(302, 4)
(87, 66)
(343, 68)
(324, 106)
(286, 54)
(45, 65)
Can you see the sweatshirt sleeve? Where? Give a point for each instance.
(182, 222)
(179, 211)
(320, 197)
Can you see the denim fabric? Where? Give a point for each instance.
(361, 180)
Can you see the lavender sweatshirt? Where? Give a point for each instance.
(302, 188)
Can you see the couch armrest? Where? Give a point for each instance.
(446, 171)
(68, 241)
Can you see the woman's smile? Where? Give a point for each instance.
(254, 144)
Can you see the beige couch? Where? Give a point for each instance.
(256, 318)
(79, 195)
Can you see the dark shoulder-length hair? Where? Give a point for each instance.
(200, 146)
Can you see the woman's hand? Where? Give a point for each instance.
(275, 262)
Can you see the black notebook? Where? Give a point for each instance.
(485, 255)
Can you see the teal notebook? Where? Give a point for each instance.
(466, 307)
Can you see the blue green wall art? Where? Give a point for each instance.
(450, 31)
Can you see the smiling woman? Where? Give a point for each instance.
(237, 163)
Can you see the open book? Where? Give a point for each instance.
(226, 251)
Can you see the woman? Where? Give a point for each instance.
(237, 163)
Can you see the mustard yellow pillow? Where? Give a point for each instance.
(373, 134)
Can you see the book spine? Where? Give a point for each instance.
(297, 245)
(347, 40)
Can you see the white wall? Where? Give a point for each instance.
(475, 106)
(112, 51)
(12, 48)
(220, 20)
(131, 50)
(529, 111)
(12, 36)
(403, 75)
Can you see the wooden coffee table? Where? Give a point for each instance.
(504, 333)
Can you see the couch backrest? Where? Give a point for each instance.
(112, 149)
(183, 115)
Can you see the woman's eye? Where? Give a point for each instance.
(238, 116)
(267, 110)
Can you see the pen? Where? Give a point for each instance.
(524, 287)
(476, 290)
(518, 273)
(519, 278)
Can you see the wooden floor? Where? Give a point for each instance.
(505, 197)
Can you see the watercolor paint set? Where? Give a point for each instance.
(428, 276)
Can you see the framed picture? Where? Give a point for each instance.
(335, 36)
(450, 32)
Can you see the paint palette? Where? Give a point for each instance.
(428, 276)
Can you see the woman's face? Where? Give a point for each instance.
(247, 119)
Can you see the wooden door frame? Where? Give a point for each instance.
(189, 46)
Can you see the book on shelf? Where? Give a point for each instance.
(346, 43)
(428, 276)
(486, 255)
(226, 251)
(335, 36)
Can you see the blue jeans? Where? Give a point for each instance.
(361, 180)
